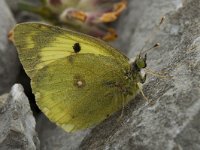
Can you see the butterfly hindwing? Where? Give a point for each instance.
(76, 93)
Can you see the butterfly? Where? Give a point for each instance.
(78, 80)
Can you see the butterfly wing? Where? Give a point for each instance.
(40, 44)
(74, 90)
(78, 94)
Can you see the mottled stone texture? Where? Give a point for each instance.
(53, 137)
(17, 124)
(9, 64)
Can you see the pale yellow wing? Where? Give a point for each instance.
(40, 44)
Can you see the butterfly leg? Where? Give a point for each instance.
(140, 88)
(122, 111)
(157, 74)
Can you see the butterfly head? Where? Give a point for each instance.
(137, 66)
(139, 62)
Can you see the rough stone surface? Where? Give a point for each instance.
(173, 121)
(9, 64)
(17, 124)
(53, 137)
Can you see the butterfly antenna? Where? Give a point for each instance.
(155, 30)
(155, 46)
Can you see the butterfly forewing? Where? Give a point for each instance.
(40, 44)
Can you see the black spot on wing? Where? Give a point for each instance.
(77, 47)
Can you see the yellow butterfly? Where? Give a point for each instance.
(78, 80)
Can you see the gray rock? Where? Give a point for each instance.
(173, 121)
(17, 124)
(9, 64)
(53, 137)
